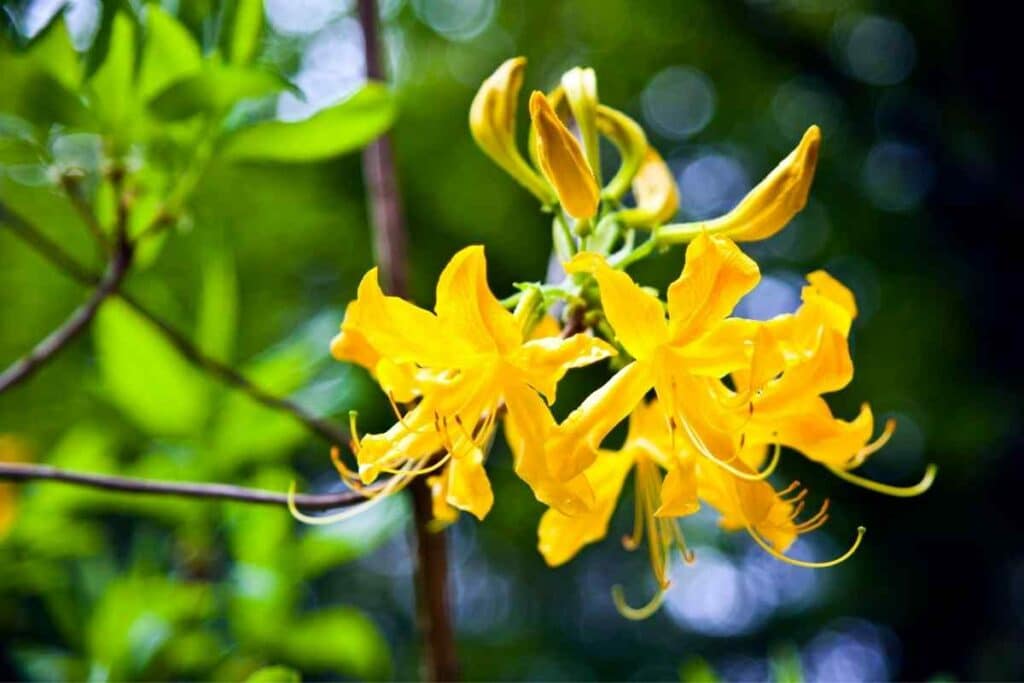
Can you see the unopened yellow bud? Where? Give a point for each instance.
(562, 161)
(767, 208)
(657, 198)
(580, 86)
(492, 121)
(629, 138)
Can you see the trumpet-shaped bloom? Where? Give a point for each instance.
(469, 358)
(696, 338)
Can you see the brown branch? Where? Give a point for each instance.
(53, 253)
(440, 659)
(313, 502)
(49, 347)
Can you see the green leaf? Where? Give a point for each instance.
(246, 21)
(169, 53)
(697, 670)
(218, 305)
(337, 130)
(214, 90)
(112, 86)
(145, 376)
(248, 431)
(786, 666)
(53, 51)
(340, 639)
(274, 674)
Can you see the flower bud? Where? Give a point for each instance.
(767, 208)
(492, 121)
(562, 161)
(580, 86)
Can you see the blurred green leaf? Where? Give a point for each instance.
(337, 130)
(169, 53)
(112, 86)
(697, 670)
(214, 90)
(18, 145)
(245, 18)
(786, 666)
(245, 430)
(339, 639)
(54, 53)
(274, 674)
(218, 305)
(137, 617)
(145, 376)
(323, 548)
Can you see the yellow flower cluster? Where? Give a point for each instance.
(711, 399)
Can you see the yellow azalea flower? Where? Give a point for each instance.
(657, 198)
(562, 160)
(798, 358)
(492, 121)
(473, 359)
(647, 449)
(697, 338)
(769, 206)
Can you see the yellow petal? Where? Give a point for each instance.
(528, 427)
(547, 327)
(826, 368)
(636, 316)
(628, 137)
(580, 87)
(561, 536)
(657, 198)
(562, 161)
(815, 432)
(544, 362)
(744, 504)
(411, 439)
(492, 121)
(573, 446)
(468, 486)
(467, 309)
(679, 490)
(352, 347)
(726, 348)
(399, 330)
(716, 276)
(444, 514)
(767, 208)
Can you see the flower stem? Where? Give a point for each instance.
(440, 661)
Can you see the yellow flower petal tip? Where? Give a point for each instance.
(562, 160)
(584, 262)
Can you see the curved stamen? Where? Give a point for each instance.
(888, 489)
(703, 450)
(419, 470)
(636, 613)
(337, 517)
(803, 563)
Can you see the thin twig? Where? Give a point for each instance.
(53, 253)
(323, 501)
(440, 658)
(49, 347)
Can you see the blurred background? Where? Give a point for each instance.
(915, 205)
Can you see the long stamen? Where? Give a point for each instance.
(818, 516)
(698, 443)
(632, 542)
(803, 563)
(354, 439)
(394, 484)
(636, 613)
(421, 466)
(876, 445)
(888, 489)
